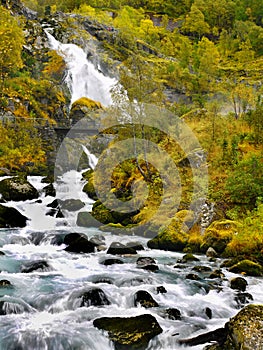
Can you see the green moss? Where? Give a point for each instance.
(247, 267)
(86, 102)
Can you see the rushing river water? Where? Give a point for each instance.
(43, 312)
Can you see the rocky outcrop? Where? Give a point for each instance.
(133, 333)
(38, 265)
(17, 189)
(10, 217)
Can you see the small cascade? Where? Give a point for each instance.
(83, 79)
(93, 160)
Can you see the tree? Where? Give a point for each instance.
(11, 43)
(195, 23)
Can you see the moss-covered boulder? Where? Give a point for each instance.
(89, 188)
(17, 189)
(245, 329)
(85, 219)
(133, 333)
(83, 108)
(10, 217)
(238, 283)
(169, 239)
(218, 235)
(247, 267)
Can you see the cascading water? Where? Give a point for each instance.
(41, 309)
(83, 79)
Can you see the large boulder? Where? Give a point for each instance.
(144, 298)
(10, 217)
(218, 235)
(133, 333)
(247, 267)
(117, 248)
(78, 243)
(245, 329)
(17, 189)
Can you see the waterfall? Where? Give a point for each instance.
(83, 79)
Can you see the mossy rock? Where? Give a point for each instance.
(89, 188)
(171, 238)
(247, 267)
(84, 107)
(10, 217)
(245, 329)
(17, 189)
(218, 235)
(133, 333)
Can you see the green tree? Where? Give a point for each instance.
(11, 43)
(195, 23)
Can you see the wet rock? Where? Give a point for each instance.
(248, 267)
(193, 277)
(202, 269)
(188, 258)
(208, 312)
(219, 335)
(144, 299)
(167, 241)
(238, 283)
(103, 280)
(161, 290)
(173, 314)
(85, 219)
(11, 307)
(19, 240)
(71, 204)
(54, 204)
(5, 284)
(243, 299)
(130, 332)
(17, 189)
(117, 248)
(94, 297)
(2, 253)
(147, 263)
(135, 245)
(217, 274)
(78, 243)
(98, 240)
(38, 265)
(211, 253)
(10, 217)
(108, 262)
(49, 190)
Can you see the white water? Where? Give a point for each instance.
(49, 316)
(83, 79)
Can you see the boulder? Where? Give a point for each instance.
(5, 284)
(133, 333)
(135, 245)
(108, 262)
(245, 329)
(38, 265)
(10, 217)
(238, 283)
(117, 248)
(188, 258)
(78, 243)
(211, 253)
(147, 263)
(173, 314)
(85, 219)
(242, 299)
(218, 235)
(49, 190)
(161, 290)
(247, 267)
(94, 297)
(71, 204)
(17, 189)
(143, 298)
